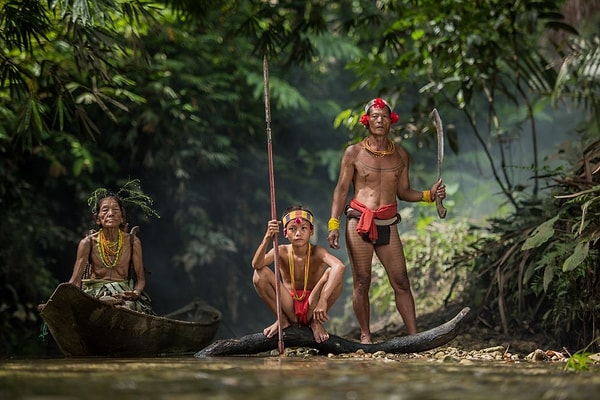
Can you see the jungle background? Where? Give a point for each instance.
(102, 92)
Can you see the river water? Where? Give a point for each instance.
(280, 377)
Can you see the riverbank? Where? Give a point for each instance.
(477, 341)
(471, 347)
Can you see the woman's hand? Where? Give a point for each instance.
(131, 295)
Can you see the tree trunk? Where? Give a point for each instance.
(294, 336)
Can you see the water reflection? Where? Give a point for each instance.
(263, 378)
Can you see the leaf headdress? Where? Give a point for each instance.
(129, 193)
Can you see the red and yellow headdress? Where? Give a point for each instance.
(297, 216)
(378, 103)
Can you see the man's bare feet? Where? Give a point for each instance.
(319, 332)
(365, 338)
(273, 329)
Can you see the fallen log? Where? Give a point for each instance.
(294, 336)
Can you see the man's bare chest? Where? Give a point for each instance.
(367, 166)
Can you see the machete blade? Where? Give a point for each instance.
(440, 157)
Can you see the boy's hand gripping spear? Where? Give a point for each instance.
(440, 158)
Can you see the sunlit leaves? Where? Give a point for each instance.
(14, 76)
(47, 56)
(580, 253)
(541, 234)
(22, 22)
(436, 276)
(579, 75)
(582, 359)
(85, 11)
(475, 57)
(283, 95)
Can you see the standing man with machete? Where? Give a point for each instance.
(378, 170)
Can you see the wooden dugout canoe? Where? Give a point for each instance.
(82, 325)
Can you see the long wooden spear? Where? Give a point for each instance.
(272, 192)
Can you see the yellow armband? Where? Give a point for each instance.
(333, 224)
(426, 196)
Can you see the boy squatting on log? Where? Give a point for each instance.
(312, 277)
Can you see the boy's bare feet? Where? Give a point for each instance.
(319, 332)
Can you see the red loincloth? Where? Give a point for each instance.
(366, 223)
(301, 306)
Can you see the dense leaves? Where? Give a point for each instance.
(541, 264)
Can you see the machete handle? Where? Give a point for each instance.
(440, 208)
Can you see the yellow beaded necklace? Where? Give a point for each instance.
(391, 147)
(306, 268)
(108, 250)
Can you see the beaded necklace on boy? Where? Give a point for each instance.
(293, 279)
(109, 250)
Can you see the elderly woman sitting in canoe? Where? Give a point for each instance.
(109, 263)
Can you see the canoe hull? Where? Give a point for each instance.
(85, 326)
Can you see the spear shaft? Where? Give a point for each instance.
(272, 193)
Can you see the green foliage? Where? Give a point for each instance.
(481, 60)
(56, 64)
(130, 193)
(580, 360)
(577, 79)
(540, 235)
(436, 279)
(95, 92)
(536, 266)
(540, 265)
(172, 96)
